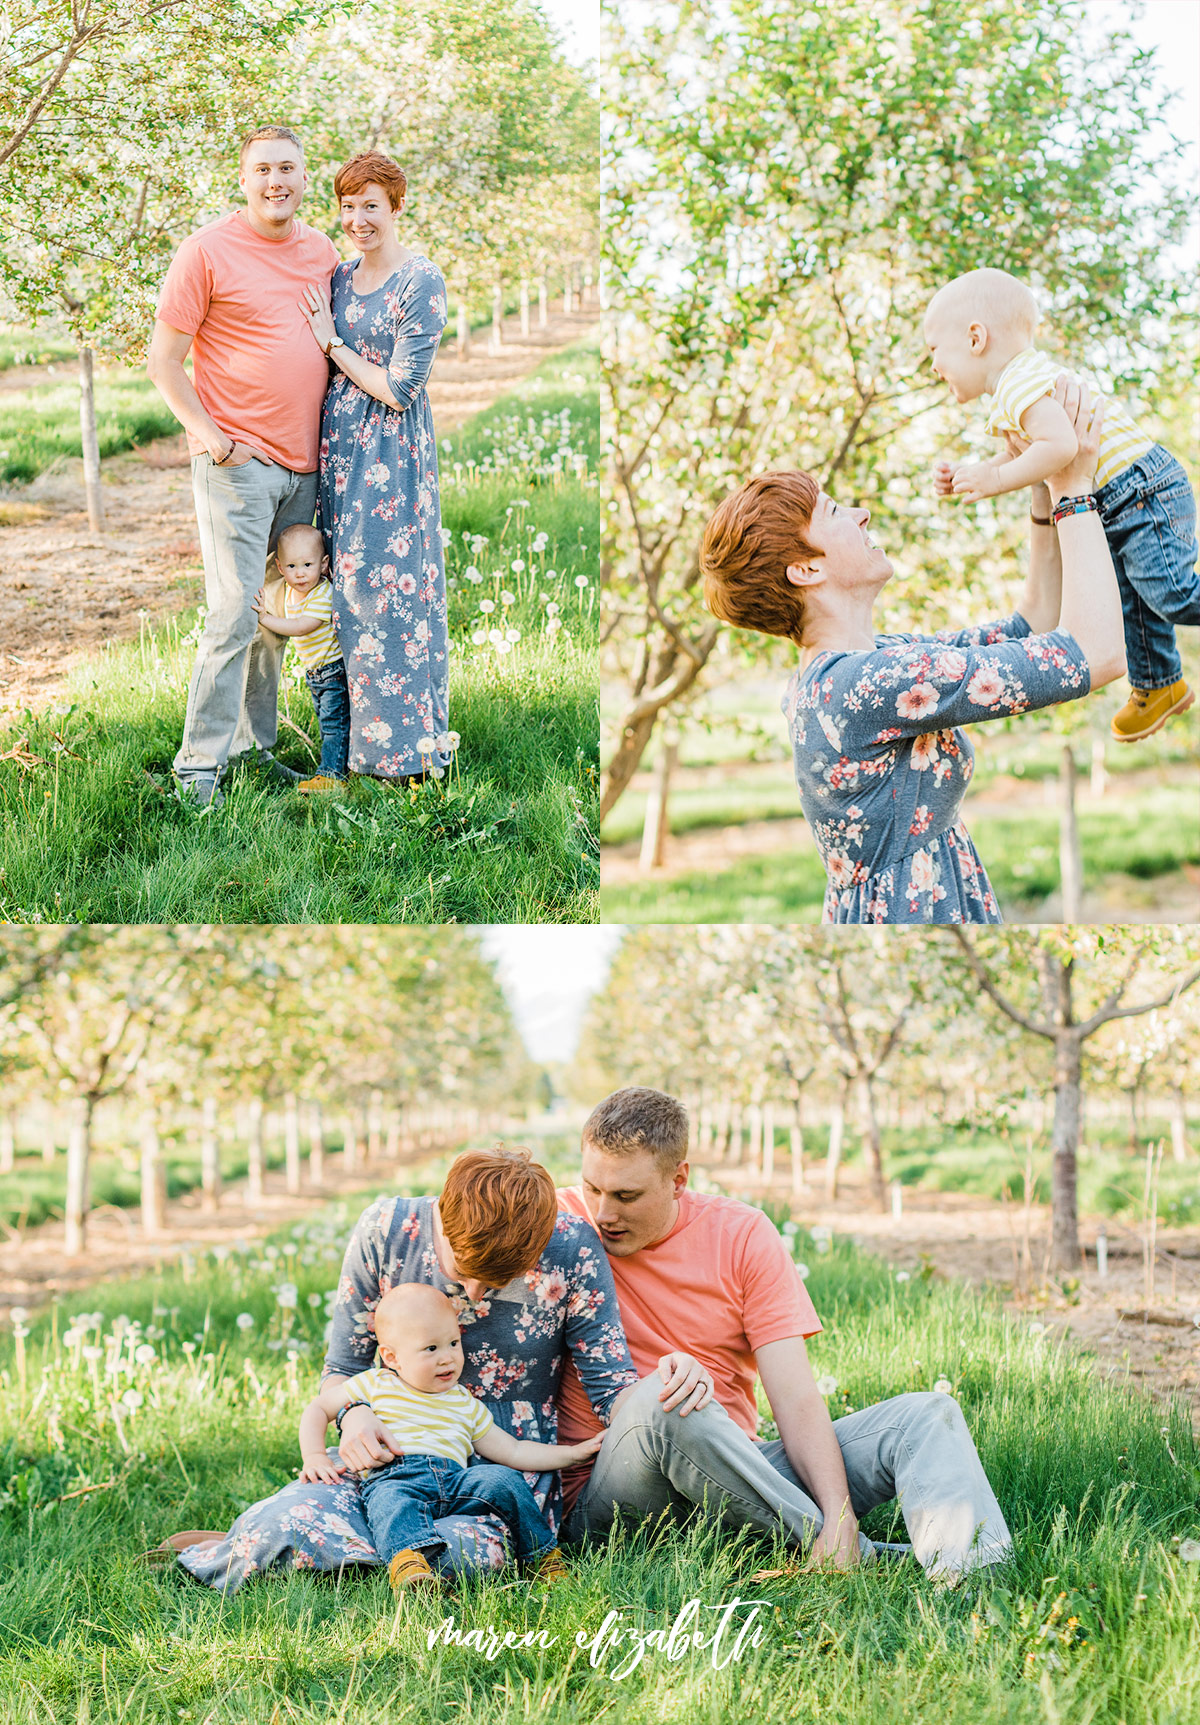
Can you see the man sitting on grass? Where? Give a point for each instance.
(710, 1275)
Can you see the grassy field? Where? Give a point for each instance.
(155, 1411)
(41, 424)
(1128, 845)
(92, 833)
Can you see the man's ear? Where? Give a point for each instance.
(803, 574)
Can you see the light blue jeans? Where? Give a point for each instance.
(915, 1448)
(1149, 517)
(234, 692)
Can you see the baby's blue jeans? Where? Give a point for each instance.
(403, 1499)
(1149, 517)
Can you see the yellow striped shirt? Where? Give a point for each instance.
(1031, 375)
(321, 646)
(446, 1422)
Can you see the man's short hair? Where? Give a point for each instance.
(638, 1118)
(268, 132)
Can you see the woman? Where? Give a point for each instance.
(880, 763)
(532, 1287)
(379, 503)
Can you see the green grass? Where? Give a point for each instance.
(1142, 838)
(40, 425)
(1097, 1621)
(91, 832)
(33, 347)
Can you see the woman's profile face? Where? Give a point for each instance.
(849, 556)
(368, 219)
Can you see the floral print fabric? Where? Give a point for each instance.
(515, 1342)
(883, 767)
(380, 512)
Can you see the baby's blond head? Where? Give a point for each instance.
(1004, 305)
(416, 1328)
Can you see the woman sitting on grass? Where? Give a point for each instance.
(379, 502)
(495, 1226)
(881, 764)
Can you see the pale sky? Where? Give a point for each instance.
(1172, 29)
(578, 22)
(549, 973)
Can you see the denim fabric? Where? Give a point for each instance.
(331, 697)
(1149, 517)
(915, 1448)
(233, 697)
(402, 1500)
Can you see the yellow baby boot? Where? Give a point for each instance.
(408, 1569)
(1147, 711)
(320, 782)
(551, 1566)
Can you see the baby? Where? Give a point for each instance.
(308, 618)
(416, 1392)
(979, 329)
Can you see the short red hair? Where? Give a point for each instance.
(372, 168)
(750, 542)
(497, 1209)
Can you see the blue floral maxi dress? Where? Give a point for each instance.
(882, 767)
(515, 1341)
(381, 515)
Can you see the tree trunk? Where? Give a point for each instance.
(79, 1150)
(543, 303)
(768, 1146)
(463, 328)
(754, 1117)
(154, 1181)
(833, 1157)
(670, 674)
(1064, 1139)
(316, 1144)
(733, 1150)
(525, 327)
(91, 443)
(568, 300)
(1179, 1124)
(874, 1145)
(255, 1159)
(1135, 1136)
(350, 1145)
(375, 1126)
(8, 1141)
(210, 1155)
(291, 1142)
(656, 824)
(497, 338)
(1070, 857)
(797, 1147)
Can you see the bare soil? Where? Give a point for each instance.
(1145, 1336)
(65, 590)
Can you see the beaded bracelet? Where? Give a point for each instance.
(1073, 506)
(340, 1415)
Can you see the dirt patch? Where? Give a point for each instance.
(1155, 1345)
(64, 590)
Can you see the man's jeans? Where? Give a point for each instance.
(1149, 518)
(402, 1500)
(331, 697)
(233, 698)
(915, 1448)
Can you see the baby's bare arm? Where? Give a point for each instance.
(501, 1446)
(283, 625)
(1052, 443)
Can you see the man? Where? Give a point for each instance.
(252, 413)
(708, 1274)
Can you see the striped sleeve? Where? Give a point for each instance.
(480, 1421)
(1023, 381)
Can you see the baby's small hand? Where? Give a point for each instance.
(589, 1446)
(320, 1467)
(975, 480)
(260, 601)
(943, 479)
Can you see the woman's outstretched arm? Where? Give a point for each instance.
(1091, 604)
(1041, 602)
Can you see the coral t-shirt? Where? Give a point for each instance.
(255, 363)
(719, 1286)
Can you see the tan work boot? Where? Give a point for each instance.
(408, 1568)
(551, 1566)
(1147, 711)
(320, 782)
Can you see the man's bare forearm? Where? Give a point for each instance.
(179, 392)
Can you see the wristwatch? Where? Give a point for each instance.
(335, 341)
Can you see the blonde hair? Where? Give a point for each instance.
(997, 299)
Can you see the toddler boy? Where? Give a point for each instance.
(416, 1393)
(979, 329)
(307, 617)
